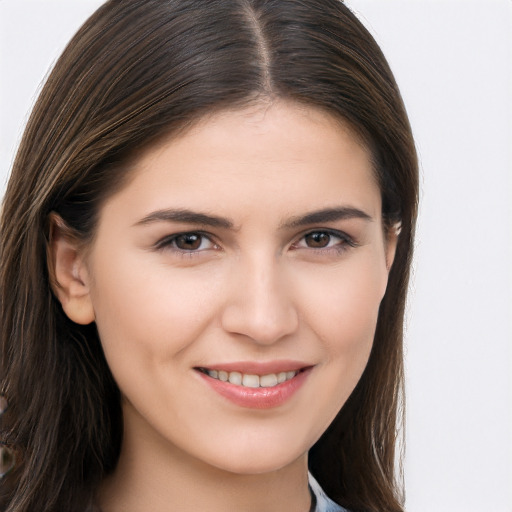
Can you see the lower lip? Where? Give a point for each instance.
(257, 398)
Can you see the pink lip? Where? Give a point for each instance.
(257, 398)
(259, 368)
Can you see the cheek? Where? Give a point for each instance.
(144, 310)
(340, 310)
(344, 304)
(343, 311)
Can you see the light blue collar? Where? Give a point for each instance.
(323, 502)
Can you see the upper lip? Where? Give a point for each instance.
(257, 367)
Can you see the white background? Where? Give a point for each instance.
(453, 62)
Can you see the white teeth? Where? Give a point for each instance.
(251, 380)
(267, 381)
(235, 378)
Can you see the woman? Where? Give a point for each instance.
(205, 247)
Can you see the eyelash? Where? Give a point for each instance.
(344, 242)
(168, 242)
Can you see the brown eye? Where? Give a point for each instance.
(325, 242)
(188, 241)
(317, 239)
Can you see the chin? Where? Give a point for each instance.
(257, 460)
(256, 467)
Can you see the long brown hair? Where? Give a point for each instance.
(136, 71)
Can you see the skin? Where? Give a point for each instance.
(258, 290)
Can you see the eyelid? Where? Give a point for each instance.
(167, 241)
(341, 235)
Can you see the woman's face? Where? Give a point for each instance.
(250, 249)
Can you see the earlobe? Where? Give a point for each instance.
(69, 276)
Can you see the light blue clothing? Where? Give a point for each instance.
(323, 502)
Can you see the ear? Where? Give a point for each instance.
(392, 234)
(69, 276)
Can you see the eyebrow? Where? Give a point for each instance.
(191, 217)
(327, 215)
(186, 217)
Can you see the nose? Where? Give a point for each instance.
(260, 304)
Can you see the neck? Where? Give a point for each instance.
(158, 476)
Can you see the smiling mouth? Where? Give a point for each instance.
(269, 380)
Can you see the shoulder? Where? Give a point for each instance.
(323, 502)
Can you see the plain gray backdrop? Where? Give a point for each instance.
(453, 62)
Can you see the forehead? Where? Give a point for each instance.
(262, 121)
(296, 156)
